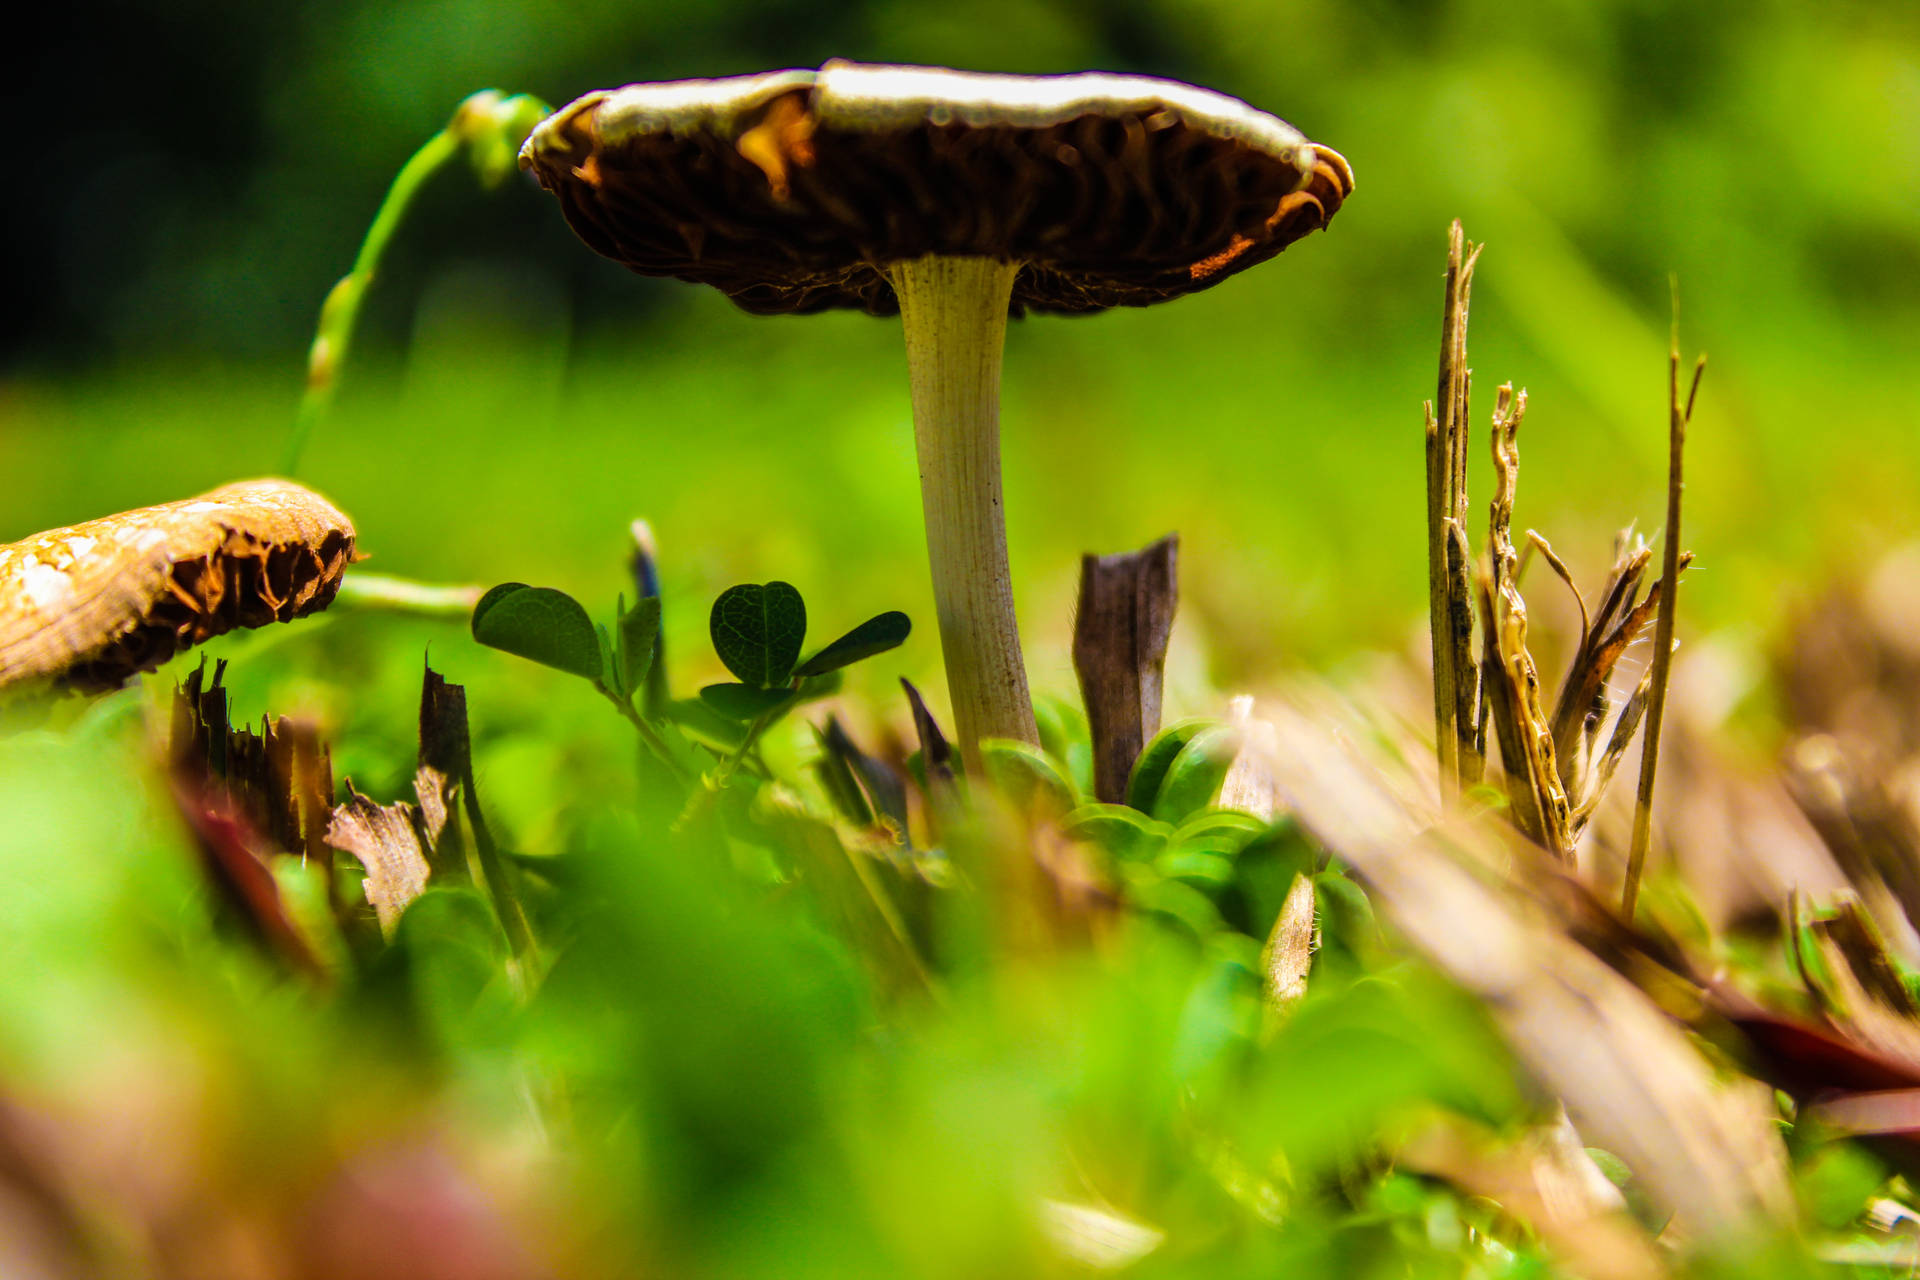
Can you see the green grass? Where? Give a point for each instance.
(1281, 443)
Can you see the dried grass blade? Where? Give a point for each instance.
(1539, 543)
(1448, 597)
(1526, 734)
(1858, 939)
(1631, 1080)
(1601, 776)
(388, 842)
(1630, 563)
(1508, 724)
(1443, 702)
(1583, 703)
(1469, 714)
(1287, 959)
(1677, 418)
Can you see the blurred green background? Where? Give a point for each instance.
(197, 175)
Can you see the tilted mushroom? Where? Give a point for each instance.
(89, 606)
(954, 199)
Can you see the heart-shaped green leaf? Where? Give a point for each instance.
(540, 624)
(757, 631)
(876, 635)
(743, 701)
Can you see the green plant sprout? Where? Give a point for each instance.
(486, 131)
(758, 632)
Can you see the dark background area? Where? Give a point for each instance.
(200, 172)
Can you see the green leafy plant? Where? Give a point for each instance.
(758, 631)
(1179, 773)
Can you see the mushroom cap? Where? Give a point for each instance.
(794, 190)
(90, 605)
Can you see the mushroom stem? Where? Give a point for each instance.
(954, 311)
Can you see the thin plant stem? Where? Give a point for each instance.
(711, 785)
(1678, 415)
(387, 594)
(342, 308)
(730, 765)
(648, 734)
(506, 899)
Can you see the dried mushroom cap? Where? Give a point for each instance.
(792, 191)
(89, 606)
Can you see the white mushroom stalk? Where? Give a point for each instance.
(954, 311)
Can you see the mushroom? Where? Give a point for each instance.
(88, 606)
(956, 200)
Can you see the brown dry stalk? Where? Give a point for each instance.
(1449, 600)
(90, 605)
(277, 780)
(1585, 697)
(1469, 701)
(1600, 775)
(1678, 415)
(250, 797)
(1630, 560)
(1853, 933)
(1507, 718)
(391, 842)
(1120, 633)
(1526, 733)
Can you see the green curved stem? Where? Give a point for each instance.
(342, 308)
(381, 592)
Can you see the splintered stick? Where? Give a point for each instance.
(1456, 690)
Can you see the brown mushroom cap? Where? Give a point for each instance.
(792, 191)
(90, 605)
